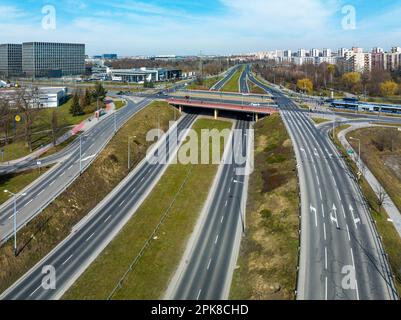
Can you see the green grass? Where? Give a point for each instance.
(232, 84)
(18, 181)
(49, 228)
(41, 129)
(390, 238)
(253, 88)
(164, 252)
(320, 120)
(207, 84)
(267, 264)
(119, 104)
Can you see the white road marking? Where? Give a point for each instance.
(349, 236)
(208, 265)
(35, 291)
(323, 210)
(320, 193)
(121, 203)
(356, 283)
(133, 190)
(69, 168)
(324, 230)
(41, 192)
(66, 260)
(325, 258)
(199, 293)
(315, 213)
(89, 237)
(28, 203)
(217, 238)
(51, 183)
(222, 219)
(107, 219)
(326, 295)
(226, 203)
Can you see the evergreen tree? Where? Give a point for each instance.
(76, 109)
(87, 98)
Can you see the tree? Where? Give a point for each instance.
(6, 116)
(28, 103)
(100, 92)
(76, 109)
(305, 85)
(87, 98)
(331, 69)
(351, 80)
(388, 88)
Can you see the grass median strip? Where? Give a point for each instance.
(232, 84)
(269, 252)
(49, 228)
(180, 194)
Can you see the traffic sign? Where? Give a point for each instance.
(350, 152)
(18, 118)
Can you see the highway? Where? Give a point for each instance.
(76, 252)
(341, 257)
(45, 189)
(213, 256)
(219, 85)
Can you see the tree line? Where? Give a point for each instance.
(311, 78)
(83, 101)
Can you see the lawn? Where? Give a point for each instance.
(18, 181)
(206, 85)
(255, 89)
(268, 260)
(320, 120)
(42, 129)
(232, 84)
(390, 238)
(49, 228)
(119, 104)
(175, 189)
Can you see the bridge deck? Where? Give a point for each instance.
(222, 106)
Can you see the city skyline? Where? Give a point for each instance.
(213, 26)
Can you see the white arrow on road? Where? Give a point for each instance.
(356, 220)
(333, 216)
(313, 210)
(316, 153)
(303, 150)
(87, 158)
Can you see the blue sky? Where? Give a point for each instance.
(212, 26)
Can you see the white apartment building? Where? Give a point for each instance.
(314, 53)
(326, 52)
(356, 61)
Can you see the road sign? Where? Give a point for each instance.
(350, 152)
(18, 118)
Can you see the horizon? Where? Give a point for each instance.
(213, 27)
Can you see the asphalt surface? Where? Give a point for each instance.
(341, 257)
(47, 188)
(208, 273)
(219, 85)
(77, 251)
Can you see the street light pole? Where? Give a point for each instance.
(15, 218)
(129, 151)
(80, 154)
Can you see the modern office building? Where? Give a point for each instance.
(52, 60)
(144, 74)
(10, 60)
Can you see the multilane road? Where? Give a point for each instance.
(212, 259)
(341, 253)
(77, 251)
(47, 188)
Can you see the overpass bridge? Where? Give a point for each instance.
(217, 106)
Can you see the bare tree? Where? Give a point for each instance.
(28, 104)
(6, 115)
(382, 198)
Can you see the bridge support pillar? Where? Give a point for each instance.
(216, 114)
(180, 109)
(256, 117)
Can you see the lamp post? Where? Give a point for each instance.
(129, 151)
(15, 216)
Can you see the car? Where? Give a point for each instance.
(255, 104)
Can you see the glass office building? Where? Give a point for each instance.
(10, 60)
(52, 60)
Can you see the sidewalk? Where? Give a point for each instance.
(81, 127)
(389, 205)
